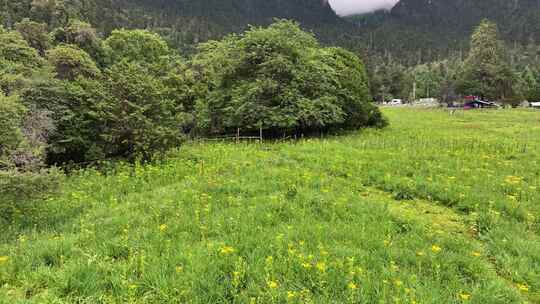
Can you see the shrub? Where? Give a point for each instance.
(18, 189)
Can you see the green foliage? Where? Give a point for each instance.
(527, 84)
(135, 45)
(19, 62)
(74, 108)
(12, 114)
(70, 62)
(81, 34)
(486, 72)
(21, 190)
(14, 48)
(353, 89)
(140, 120)
(280, 79)
(35, 33)
(21, 151)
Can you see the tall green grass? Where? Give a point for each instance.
(434, 209)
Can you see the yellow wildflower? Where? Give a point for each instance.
(179, 269)
(321, 266)
(522, 287)
(513, 180)
(226, 250)
(306, 265)
(162, 227)
(3, 259)
(291, 295)
(476, 254)
(436, 249)
(352, 286)
(420, 253)
(273, 284)
(464, 296)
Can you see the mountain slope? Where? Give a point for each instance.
(429, 28)
(184, 22)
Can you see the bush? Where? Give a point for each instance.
(281, 80)
(18, 189)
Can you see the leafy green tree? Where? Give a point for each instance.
(52, 12)
(14, 48)
(141, 120)
(486, 72)
(279, 79)
(353, 90)
(70, 62)
(35, 33)
(75, 109)
(135, 45)
(18, 62)
(527, 84)
(81, 34)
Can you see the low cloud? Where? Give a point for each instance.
(349, 7)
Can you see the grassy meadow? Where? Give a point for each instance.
(436, 208)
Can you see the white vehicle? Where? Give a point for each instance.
(396, 102)
(535, 105)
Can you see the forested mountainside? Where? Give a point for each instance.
(416, 30)
(425, 30)
(182, 22)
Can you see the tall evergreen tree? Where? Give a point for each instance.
(486, 71)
